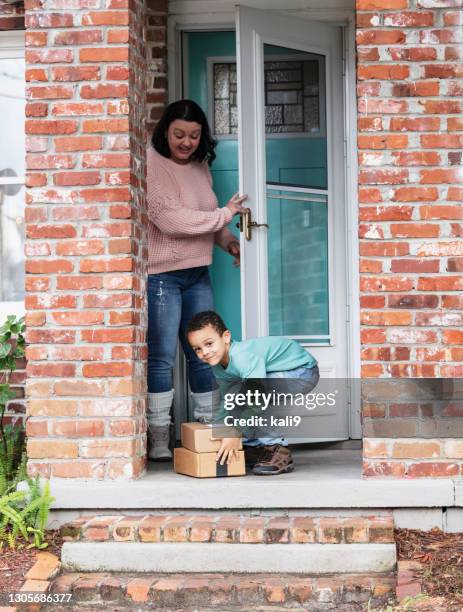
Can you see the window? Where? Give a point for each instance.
(294, 94)
(12, 171)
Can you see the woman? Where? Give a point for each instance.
(184, 223)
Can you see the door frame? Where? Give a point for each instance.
(188, 22)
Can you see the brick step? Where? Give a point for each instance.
(231, 529)
(224, 591)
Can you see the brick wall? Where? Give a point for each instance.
(12, 16)
(85, 216)
(157, 60)
(410, 194)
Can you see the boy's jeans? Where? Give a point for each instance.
(173, 299)
(310, 376)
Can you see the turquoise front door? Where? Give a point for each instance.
(295, 155)
(201, 48)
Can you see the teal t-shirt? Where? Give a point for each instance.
(256, 357)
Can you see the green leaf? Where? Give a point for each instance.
(5, 350)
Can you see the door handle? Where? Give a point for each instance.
(246, 224)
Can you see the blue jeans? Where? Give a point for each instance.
(173, 299)
(309, 378)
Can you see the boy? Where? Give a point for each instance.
(234, 362)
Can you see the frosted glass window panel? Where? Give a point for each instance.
(282, 97)
(311, 115)
(234, 117)
(222, 117)
(298, 265)
(12, 110)
(283, 76)
(283, 65)
(293, 114)
(221, 81)
(292, 91)
(12, 243)
(273, 115)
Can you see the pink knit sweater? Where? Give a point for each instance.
(184, 220)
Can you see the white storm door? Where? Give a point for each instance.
(291, 147)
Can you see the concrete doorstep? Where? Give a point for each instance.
(246, 558)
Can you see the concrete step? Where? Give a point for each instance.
(250, 558)
(223, 591)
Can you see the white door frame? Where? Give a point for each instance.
(177, 24)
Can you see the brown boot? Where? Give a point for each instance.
(276, 460)
(253, 454)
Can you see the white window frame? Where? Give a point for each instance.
(12, 46)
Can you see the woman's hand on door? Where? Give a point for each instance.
(235, 204)
(228, 450)
(234, 250)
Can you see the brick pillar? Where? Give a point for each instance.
(410, 193)
(85, 248)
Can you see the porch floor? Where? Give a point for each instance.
(323, 478)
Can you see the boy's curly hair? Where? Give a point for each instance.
(205, 318)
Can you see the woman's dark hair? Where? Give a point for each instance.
(188, 111)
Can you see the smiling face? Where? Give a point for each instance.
(210, 346)
(183, 138)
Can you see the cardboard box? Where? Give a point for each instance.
(204, 465)
(201, 438)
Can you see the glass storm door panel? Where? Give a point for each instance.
(291, 153)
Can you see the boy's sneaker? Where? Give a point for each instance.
(253, 454)
(276, 460)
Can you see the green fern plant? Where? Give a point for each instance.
(12, 348)
(25, 514)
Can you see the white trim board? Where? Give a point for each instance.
(335, 8)
(12, 44)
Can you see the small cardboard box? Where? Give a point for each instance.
(201, 438)
(204, 465)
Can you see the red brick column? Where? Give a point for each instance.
(86, 254)
(410, 193)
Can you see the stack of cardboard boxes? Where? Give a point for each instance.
(198, 455)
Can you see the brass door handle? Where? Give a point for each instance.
(246, 224)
